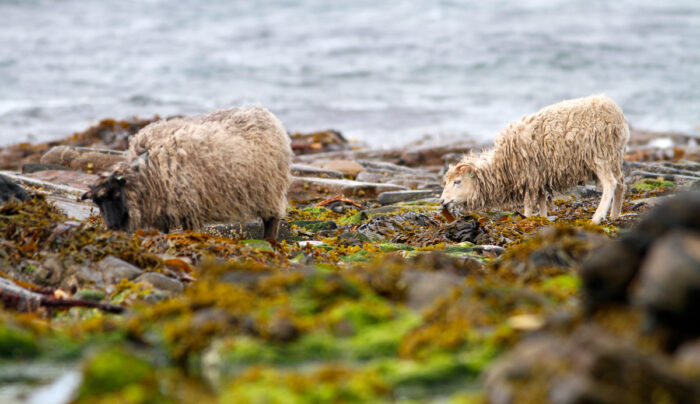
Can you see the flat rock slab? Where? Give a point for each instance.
(50, 187)
(387, 198)
(303, 170)
(306, 189)
(72, 208)
(75, 179)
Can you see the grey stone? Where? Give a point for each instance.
(50, 272)
(586, 191)
(388, 198)
(248, 231)
(11, 191)
(114, 270)
(489, 249)
(162, 282)
(315, 225)
(424, 287)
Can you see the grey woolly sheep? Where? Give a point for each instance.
(551, 150)
(230, 165)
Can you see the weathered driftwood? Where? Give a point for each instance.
(21, 299)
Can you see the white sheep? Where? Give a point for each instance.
(230, 165)
(551, 150)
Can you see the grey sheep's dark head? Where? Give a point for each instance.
(110, 197)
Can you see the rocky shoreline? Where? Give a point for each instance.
(371, 295)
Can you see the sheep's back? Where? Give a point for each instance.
(202, 170)
(560, 145)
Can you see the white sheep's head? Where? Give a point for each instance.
(460, 187)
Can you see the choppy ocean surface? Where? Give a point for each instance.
(385, 72)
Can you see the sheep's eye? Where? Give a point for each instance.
(457, 182)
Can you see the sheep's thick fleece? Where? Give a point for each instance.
(552, 150)
(230, 165)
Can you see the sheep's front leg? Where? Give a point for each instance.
(271, 227)
(609, 184)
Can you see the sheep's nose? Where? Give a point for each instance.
(442, 202)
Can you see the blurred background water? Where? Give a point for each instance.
(385, 72)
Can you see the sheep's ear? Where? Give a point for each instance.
(87, 195)
(464, 168)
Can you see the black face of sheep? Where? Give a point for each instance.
(110, 198)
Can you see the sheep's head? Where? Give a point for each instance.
(460, 187)
(108, 194)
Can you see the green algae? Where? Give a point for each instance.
(324, 385)
(16, 343)
(90, 294)
(354, 219)
(114, 375)
(388, 247)
(651, 184)
(261, 245)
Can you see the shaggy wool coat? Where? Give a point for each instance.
(554, 149)
(232, 165)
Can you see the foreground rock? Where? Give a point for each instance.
(590, 366)
(10, 191)
(669, 277)
(669, 285)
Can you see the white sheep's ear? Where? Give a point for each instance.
(464, 168)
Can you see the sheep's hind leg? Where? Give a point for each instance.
(609, 184)
(617, 197)
(529, 203)
(271, 227)
(542, 202)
